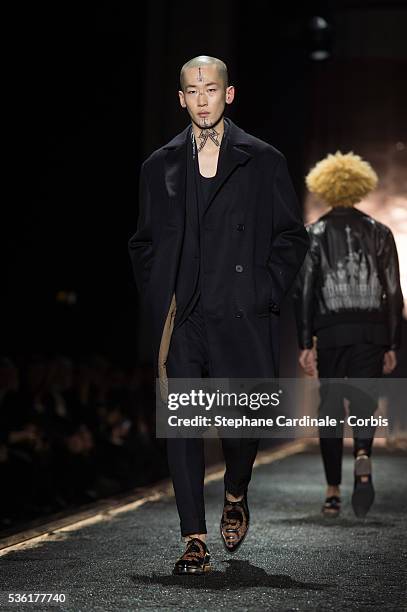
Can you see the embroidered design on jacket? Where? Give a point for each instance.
(354, 284)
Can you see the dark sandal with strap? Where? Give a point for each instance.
(234, 523)
(363, 490)
(195, 560)
(332, 506)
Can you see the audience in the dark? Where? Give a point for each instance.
(71, 433)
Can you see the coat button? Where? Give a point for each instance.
(239, 268)
(274, 308)
(239, 314)
(240, 227)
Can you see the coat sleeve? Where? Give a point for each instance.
(304, 295)
(289, 237)
(390, 275)
(140, 245)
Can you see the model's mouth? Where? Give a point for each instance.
(203, 114)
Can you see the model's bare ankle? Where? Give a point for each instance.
(200, 536)
(232, 498)
(332, 490)
(360, 453)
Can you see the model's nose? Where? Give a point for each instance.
(202, 101)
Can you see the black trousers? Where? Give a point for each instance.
(351, 361)
(188, 357)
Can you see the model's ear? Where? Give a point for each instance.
(230, 94)
(182, 99)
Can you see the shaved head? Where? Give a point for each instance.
(205, 60)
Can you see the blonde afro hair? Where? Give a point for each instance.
(341, 179)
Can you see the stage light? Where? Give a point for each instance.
(66, 297)
(319, 39)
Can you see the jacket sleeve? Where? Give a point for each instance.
(304, 295)
(140, 245)
(290, 240)
(390, 275)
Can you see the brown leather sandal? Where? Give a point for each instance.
(195, 560)
(234, 523)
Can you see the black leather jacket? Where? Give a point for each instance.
(350, 275)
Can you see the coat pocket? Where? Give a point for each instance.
(263, 290)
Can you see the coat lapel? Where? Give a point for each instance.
(175, 175)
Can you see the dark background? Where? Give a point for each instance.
(94, 92)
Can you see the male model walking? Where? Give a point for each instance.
(348, 295)
(220, 239)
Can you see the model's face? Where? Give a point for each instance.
(205, 96)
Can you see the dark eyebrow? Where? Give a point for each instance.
(206, 85)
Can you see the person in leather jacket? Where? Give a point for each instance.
(348, 296)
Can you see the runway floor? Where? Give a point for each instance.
(292, 559)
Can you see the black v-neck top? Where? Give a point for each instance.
(206, 185)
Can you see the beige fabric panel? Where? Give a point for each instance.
(164, 348)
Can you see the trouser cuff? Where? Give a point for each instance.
(364, 444)
(190, 529)
(235, 489)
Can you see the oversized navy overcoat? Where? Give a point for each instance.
(253, 244)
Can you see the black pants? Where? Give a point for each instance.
(188, 357)
(353, 361)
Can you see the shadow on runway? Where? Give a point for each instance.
(238, 575)
(332, 522)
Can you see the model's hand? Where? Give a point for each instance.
(308, 362)
(389, 362)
